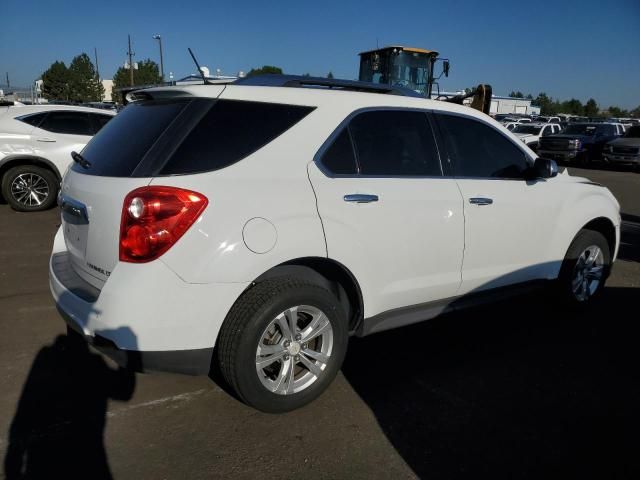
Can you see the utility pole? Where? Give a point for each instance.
(8, 84)
(95, 51)
(131, 54)
(159, 38)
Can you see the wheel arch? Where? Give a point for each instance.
(17, 160)
(332, 275)
(606, 227)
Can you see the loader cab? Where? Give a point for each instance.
(402, 67)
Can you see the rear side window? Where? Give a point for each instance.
(339, 157)
(230, 131)
(98, 121)
(34, 119)
(121, 145)
(71, 123)
(478, 150)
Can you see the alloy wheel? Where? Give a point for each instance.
(29, 189)
(294, 350)
(588, 273)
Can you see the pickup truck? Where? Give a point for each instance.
(530, 133)
(578, 142)
(625, 150)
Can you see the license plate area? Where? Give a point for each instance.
(75, 222)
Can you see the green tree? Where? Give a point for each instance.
(306, 74)
(330, 74)
(84, 85)
(529, 96)
(148, 73)
(591, 108)
(55, 82)
(635, 112)
(265, 69)
(517, 94)
(545, 103)
(573, 107)
(618, 112)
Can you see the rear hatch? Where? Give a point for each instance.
(123, 156)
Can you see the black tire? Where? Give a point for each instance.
(583, 240)
(245, 324)
(47, 176)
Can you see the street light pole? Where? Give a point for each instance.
(159, 38)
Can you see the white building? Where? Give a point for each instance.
(513, 105)
(108, 89)
(500, 104)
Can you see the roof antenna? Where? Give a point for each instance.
(204, 79)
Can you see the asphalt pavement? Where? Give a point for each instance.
(519, 389)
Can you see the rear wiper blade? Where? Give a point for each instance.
(79, 159)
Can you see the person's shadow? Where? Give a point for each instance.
(57, 431)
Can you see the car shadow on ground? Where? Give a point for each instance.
(521, 389)
(57, 430)
(630, 238)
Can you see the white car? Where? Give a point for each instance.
(530, 133)
(257, 227)
(36, 142)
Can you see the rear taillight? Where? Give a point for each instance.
(154, 218)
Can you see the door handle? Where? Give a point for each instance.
(480, 201)
(360, 198)
(46, 139)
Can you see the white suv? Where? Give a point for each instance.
(36, 142)
(257, 227)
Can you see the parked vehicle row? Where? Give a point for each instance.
(270, 223)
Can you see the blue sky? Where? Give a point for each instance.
(565, 48)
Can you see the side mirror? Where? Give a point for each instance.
(544, 168)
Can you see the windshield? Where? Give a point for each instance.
(531, 129)
(633, 132)
(410, 70)
(588, 130)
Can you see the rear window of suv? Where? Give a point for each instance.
(204, 139)
(230, 131)
(122, 143)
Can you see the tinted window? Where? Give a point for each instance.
(395, 143)
(522, 128)
(123, 142)
(99, 121)
(231, 131)
(34, 119)
(633, 132)
(339, 157)
(73, 123)
(477, 150)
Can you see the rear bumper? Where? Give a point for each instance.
(189, 362)
(145, 316)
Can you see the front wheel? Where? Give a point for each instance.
(282, 344)
(585, 267)
(28, 188)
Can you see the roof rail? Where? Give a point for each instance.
(297, 81)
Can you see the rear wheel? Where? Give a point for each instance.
(28, 188)
(585, 267)
(282, 344)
